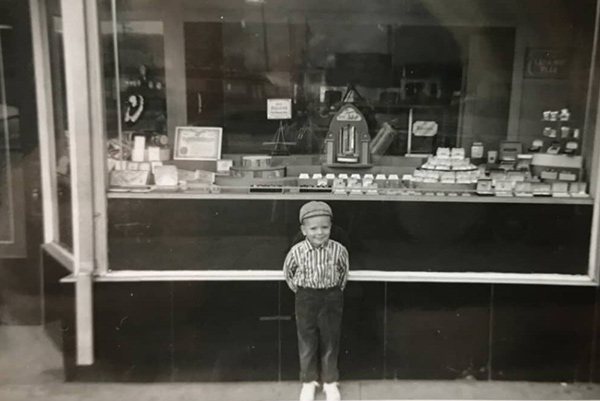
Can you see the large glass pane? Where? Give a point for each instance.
(139, 92)
(385, 236)
(61, 126)
(9, 141)
(476, 115)
(13, 115)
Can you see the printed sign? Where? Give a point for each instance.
(198, 143)
(279, 109)
(547, 64)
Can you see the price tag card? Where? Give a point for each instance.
(279, 109)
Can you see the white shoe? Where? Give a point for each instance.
(308, 391)
(332, 393)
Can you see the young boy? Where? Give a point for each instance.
(316, 269)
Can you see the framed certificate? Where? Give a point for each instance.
(198, 143)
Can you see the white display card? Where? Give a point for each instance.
(279, 109)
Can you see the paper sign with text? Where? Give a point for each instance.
(279, 109)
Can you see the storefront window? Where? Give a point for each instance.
(9, 116)
(61, 127)
(463, 127)
(12, 211)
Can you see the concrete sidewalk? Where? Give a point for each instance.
(362, 390)
(31, 369)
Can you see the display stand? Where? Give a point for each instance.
(280, 146)
(279, 109)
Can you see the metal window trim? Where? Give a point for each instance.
(98, 137)
(45, 114)
(594, 256)
(358, 275)
(79, 103)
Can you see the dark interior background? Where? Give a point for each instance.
(387, 236)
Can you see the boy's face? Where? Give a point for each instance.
(316, 229)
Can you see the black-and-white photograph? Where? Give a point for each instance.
(275, 200)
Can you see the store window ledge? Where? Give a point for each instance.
(266, 275)
(331, 197)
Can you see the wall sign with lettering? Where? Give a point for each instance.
(547, 63)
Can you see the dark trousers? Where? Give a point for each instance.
(318, 322)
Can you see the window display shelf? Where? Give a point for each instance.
(331, 197)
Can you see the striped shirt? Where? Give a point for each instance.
(323, 267)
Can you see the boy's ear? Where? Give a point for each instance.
(303, 229)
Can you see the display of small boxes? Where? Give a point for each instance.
(129, 178)
(464, 177)
(354, 186)
(523, 189)
(457, 153)
(541, 189)
(549, 174)
(497, 175)
(443, 153)
(256, 161)
(578, 189)
(566, 175)
(448, 177)
(393, 184)
(266, 172)
(515, 176)
(166, 176)
(339, 186)
(560, 189)
(504, 188)
(484, 187)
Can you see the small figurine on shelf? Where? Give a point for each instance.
(564, 115)
(536, 146)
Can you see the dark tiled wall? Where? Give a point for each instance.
(245, 331)
(437, 331)
(225, 331)
(543, 333)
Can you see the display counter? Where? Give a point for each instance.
(240, 227)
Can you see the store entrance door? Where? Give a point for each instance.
(20, 199)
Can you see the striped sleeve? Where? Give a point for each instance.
(343, 266)
(289, 269)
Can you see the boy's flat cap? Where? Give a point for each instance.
(313, 209)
